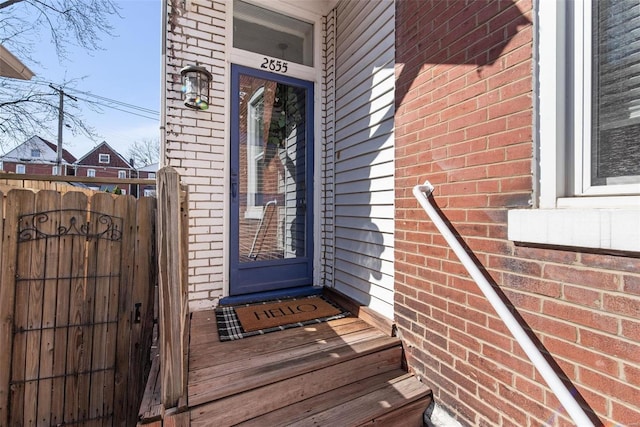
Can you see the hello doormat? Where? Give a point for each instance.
(256, 319)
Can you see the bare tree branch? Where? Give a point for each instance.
(144, 152)
(26, 107)
(9, 3)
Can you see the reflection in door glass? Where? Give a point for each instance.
(272, 205)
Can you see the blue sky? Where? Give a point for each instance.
(126, 70)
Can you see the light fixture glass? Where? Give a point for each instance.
(195, 86)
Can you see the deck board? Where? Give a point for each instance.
(226, 352)
(324, 401)
(361, 409)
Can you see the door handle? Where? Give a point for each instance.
(234, 184)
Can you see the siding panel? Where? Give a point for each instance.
(364, 154)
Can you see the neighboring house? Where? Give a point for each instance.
(37, 156)
(322, 117)
(147, 172)
(103, 161)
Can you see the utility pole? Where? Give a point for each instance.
(62, 94)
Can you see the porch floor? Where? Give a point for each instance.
(344, 372)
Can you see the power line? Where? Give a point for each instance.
(107, 102)
(119, 109)
(113, 101)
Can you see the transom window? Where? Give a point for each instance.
(273, 34)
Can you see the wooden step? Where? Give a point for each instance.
(385, 403)
(276, 363)
(410, 409)
(234, 409)
(344, 372)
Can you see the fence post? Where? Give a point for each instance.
(172, 295)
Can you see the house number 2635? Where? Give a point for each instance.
(274, 65)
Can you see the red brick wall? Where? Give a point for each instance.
(35, 168)
(464, 122)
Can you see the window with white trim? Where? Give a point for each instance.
(255, 155)
(91, 173)
(588, 115)
(122, 174)
(21, 169)
(54, 170)
(607, 97)
(35, 153)
(104, 158)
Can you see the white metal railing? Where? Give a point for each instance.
(252, 255)
(571, 405)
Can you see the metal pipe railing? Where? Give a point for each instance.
(571, 405)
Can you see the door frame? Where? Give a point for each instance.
(304, 267)
(314, 74)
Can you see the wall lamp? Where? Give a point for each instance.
(195, 86)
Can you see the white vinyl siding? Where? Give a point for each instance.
(364, 153)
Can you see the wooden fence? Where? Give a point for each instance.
(77, 279)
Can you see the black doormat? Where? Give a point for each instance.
(289, 313)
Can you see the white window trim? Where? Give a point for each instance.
(122, 174)
(604, 222)
(107, 156)
(91, 173)
(21, 169)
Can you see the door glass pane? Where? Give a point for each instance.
(272, 144)
(270, 33)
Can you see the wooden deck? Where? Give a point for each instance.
(340, 373)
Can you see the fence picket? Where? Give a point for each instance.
(11, 208)
(125, 208)
(48, 201)
(142, 294)
(25, 203)
(75, 330)
(100, 271)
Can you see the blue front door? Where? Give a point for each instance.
(271, 182)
